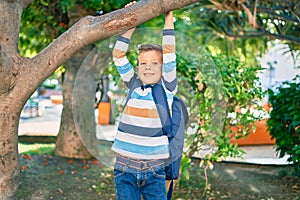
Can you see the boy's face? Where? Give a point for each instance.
(150, 66)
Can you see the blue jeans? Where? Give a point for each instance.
(131, 183)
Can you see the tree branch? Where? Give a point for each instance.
(264, 33)
(271, 12)
(25, 3)
(91, 29)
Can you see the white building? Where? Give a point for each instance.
(279, 65)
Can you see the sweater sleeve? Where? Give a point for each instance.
(124, 67)
(169, 60)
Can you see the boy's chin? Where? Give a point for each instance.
(149, 82)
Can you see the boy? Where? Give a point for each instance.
(140, 144)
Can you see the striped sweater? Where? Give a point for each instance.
(139, 133)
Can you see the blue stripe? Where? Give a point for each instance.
(135, 95)
(149, 96)
(168, 32)
(124, 39)
(170, 66)
(169, 95)
(141, 131)
(139, 149)
(125, 68)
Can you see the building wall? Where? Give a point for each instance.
(284, 68)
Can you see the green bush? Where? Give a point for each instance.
(219, 85)
(284, 122)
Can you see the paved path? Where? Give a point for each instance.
(48, 125)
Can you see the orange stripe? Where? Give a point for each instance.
(168, 48)
(141, 112)
(118, 53)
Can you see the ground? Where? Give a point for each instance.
(51, 177)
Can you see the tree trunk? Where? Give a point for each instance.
(68, 142)
(12, 98)
(9, 162)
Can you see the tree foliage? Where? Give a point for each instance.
(242, 28)
(43, 21)
(284, 122)
(253, 18)
(221, 97)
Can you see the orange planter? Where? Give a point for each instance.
(104, 113)
(56, 99)
(260, 137)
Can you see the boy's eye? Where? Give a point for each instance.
(143, 64)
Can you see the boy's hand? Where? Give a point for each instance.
(169, 20)
(130, 4)
(169, 14)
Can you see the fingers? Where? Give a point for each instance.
(130, 4)
(169, 12)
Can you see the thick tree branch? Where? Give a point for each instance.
(91, 29)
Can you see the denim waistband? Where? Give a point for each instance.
(139, 164)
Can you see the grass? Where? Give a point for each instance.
(36, 148)
(44, 174)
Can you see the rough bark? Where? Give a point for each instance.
(20, 77)
(68, 142)
(12, 98)
(9, 163)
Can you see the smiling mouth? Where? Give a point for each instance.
(148, 74)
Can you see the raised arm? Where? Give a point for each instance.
(169, 20)
(124, 67)
(122, 44)
(169, 56)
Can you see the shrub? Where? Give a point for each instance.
(284, 122)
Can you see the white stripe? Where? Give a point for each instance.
(169, 77)
(138, 103)
(121, 46)
(126, 77)
(142, 140)
(168, 39)
(140, 156)
(169, 57)
(120, 61)
(141, 121)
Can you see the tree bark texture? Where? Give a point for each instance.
(68, 142)
(20, 76)
(9, 163)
